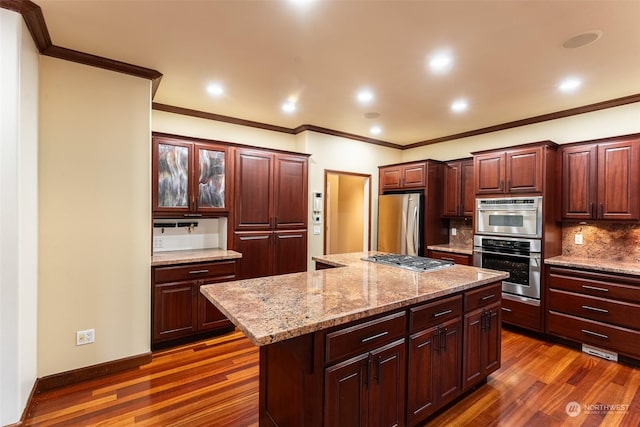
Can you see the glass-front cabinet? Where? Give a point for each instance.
(189, 178)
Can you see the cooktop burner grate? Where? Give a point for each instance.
(409, 262)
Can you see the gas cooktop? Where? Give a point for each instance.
(409, 262)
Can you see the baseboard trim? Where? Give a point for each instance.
(90, 372)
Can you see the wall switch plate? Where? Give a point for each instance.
(578, 239)
(85, 337)
(454, 231)
(316, 229)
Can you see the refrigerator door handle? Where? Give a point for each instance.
(416, 231)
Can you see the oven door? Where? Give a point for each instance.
(524, 270)
(498, 222)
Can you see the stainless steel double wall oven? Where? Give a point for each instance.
(508, 237)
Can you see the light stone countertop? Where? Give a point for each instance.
(276, 308)
(453, 248)
(196, 255)
(595, 264)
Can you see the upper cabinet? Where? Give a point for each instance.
(188, 178)
(513, 171)
(601, 180)
(459, 190)
(400, 177)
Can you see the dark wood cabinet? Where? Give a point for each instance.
(270, 212)
(188, 178)
(179, 310)
(521, 313)
(459, 190)
(513, 171)
(461, 259)
(601, 180)
(596, 308)
(400, 177)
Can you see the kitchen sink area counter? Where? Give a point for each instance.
(191, 256)
(276, 308)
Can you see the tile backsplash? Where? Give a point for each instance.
(208, 233)
(602, 240)
(464, 232)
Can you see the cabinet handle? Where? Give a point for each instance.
(381, 334)
(198, 271)
(500, 186)
(508, 310)
(595, 288)
(601, 213)
(442, 313)
(508, 185)
(367, 374)
(443, 340)
(447, 258)
(192, 215)
(436, 337)
(591, 211)
(595, 334)
(378, 363)
(596, 309)
(487, 297)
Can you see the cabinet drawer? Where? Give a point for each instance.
(595, 284)
(431, 314)
(601, 309)
(521, 314)
(483, 296)
(448, 256)
(365, 336)
(622, 340)
(221, 270)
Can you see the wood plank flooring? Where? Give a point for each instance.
(215, 383)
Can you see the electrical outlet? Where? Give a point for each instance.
(157, 242)
(85, 337)
(454, 231)
(578, 239)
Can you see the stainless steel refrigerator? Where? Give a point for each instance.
(400, 219)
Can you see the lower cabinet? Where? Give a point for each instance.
(449, 256)
(266, 253)
(179, 310)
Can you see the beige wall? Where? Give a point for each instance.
(94, 215)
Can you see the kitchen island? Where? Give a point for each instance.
(364, 343)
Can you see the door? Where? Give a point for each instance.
(489, 173)
(211, 191)
(290, 192)
(524, 170)
(253, 192)
(171, 171)
(468, 197)
(452, 180)
(290, 251)
(209, 317)
(346, 393)
(174, 310)
(257, 254)
(347, 212)
(422, 367)
(387, 385)
(579, 181)
(618, 168)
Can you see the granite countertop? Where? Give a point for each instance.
(195, 255)
(453, 248)
(276, 308)
(595, 264)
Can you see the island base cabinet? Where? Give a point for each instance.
(481, 344)
(367, 390)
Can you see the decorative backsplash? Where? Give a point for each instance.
(464, 232)
(602, 240)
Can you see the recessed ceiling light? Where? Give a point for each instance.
(364, 96)
(288, 107)
(375, 130)
(440, 62)
(215, 89)
(570, 84)
(459, 105)
(582, 39)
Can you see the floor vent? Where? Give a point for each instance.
(595, 351)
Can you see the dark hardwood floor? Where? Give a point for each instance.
(215, 383)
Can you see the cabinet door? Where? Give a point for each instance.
(290, 193)
(492, 339)
(523, 170)
(452, 181)
(579, 180)
(424, 347)
(210, 178)
(473, 344)
(172, 176)
(209, 317)
(290, 252)
(390, 178)
(174, 311)
(414, 176)
(253, 190)
(346, 392)
(468, 191)
(257, 253)
(387, 385)
(449, 362)
(618, 167)
(489, 171)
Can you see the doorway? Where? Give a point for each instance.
(347, 212)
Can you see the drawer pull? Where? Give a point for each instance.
(595, 288)
(198, 271)
(442, 313)
(487, 297)
(595, 334)
(599, 310)
(381, 334)
(447, 259)
(508, 310)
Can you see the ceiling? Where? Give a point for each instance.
(507, 58)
